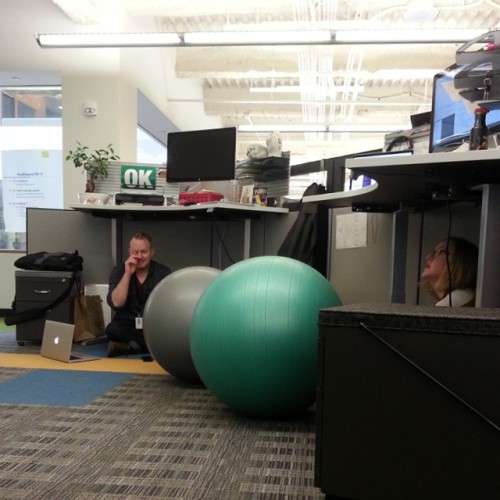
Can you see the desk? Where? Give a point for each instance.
(418, 182)
(183, 212)
(202, 211)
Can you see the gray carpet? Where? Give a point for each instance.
(152, 437)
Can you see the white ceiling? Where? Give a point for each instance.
(228, 73)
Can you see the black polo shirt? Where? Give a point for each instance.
(137, 294)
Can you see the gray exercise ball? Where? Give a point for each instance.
(167, 319)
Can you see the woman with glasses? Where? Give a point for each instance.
(450, 272)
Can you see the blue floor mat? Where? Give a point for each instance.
(59, 387)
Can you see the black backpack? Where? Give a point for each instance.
(303, 239)
(51, 261)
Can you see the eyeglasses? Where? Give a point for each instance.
(436, 252)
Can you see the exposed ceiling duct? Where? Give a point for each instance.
(343, 87)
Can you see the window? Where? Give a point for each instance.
(149, 149)
(30, 158)
(299, 183)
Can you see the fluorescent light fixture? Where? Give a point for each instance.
(32, 88)
(407, 36)
(105, 40)
(258, 37)
(297, 89)
(306, 127)
(366, 128)
(248, 38)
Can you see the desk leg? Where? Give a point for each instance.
(488, 289)
(246, 238)
(399, 250)
(116, 241)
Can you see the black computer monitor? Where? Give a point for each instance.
(452, 116)
(201, 155)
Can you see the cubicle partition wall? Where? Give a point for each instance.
(199, 240)
(374, 260)
(55, 230)
(425, 229)
(180, 244)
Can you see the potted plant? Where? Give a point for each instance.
(95, 162)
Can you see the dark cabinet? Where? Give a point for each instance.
(408, 402)
(36, 289)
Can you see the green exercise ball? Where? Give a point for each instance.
(254, 335)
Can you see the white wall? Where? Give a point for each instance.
(7, 278)
(113, 124)
(153, 71)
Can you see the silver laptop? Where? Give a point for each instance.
(57, 343)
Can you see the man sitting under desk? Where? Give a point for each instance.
(130, 285)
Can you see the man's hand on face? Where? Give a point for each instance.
(131, 264)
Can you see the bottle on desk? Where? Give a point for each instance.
(234, 191)
(479, 132)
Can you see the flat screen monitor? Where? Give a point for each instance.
(201, 155)
(453, 116)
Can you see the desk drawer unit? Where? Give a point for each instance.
(36, 289)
